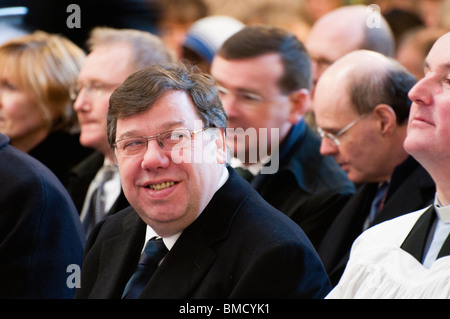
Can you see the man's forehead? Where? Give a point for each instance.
(439, 55)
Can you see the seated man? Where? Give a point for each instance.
(264, 77)
(94, 183)
(220, 239)
(362, 109)
(409, 256)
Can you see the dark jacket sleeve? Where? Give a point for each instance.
(40, 231)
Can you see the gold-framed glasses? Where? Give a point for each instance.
(334, 138)
(137, 146)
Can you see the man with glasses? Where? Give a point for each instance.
(408, 257)
(214, 236)
(94, 184)
(362, 109)
(264, 77)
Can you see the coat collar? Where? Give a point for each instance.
(4, 140)
(119, 255)
(291, 159)
(192, 254)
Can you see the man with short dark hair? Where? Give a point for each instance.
(264, 77)
(215, 236)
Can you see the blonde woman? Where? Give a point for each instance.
(36, 72)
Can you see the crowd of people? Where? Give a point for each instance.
(224, 152)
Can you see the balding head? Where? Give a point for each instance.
(367, 79)
(364, 94)
(345, 30)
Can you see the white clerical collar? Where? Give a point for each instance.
(442, 212)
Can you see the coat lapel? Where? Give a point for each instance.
(186, 264)
(119, 256)
(181, 270)
(412, 181)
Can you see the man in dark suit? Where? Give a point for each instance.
(362, 106)
(264, 77)
(221, 239)
(40, 232)
(94, 184)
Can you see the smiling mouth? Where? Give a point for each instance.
(161, 186)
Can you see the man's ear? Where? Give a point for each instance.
(221, 147)
(300, 101)
(386, 117)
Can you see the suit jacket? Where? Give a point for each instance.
(239, 247)
(80, 178)
(411, 188)
(40, 231)
(309, 188)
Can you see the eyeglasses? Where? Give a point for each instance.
(137, 146)
(92, 89)
(334, 137)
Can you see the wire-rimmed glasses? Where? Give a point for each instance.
(92, 89)
(137, 146)
(334, 137)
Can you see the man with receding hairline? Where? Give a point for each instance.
(362, 110)
(341, 31)
(409, 256)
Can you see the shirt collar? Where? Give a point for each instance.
(171, 240)
(168, 241)
(442, 212)
(255, 168)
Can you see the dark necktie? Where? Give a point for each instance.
(154, 251)
(377, 204)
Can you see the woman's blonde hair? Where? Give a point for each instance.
(46, 66)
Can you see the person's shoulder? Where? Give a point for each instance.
(20, 164)
(263, 219)
(115, 223)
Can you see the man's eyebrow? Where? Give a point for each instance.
(163, 128)
(238, 89)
